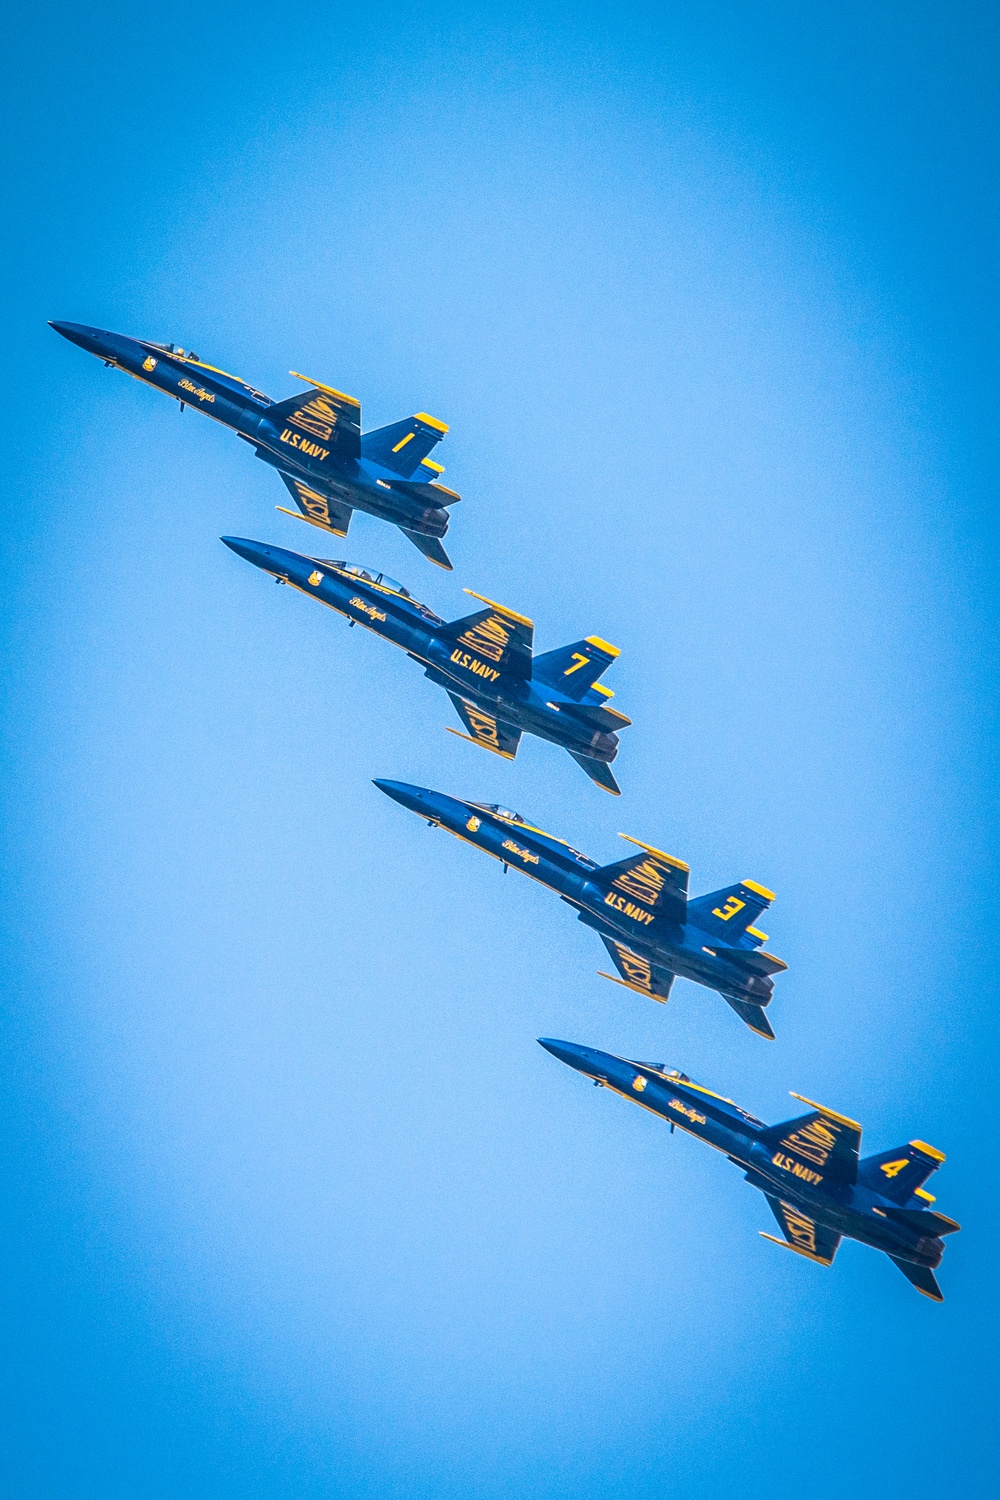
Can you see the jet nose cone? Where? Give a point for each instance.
(254, 552)
(78, 333)
(413, 797)
(569, 1052)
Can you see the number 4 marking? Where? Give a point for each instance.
(893, 1168)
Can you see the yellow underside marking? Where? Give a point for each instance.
(340, 395)
(445, 490)
(310, 519)
(429, 463)
(930, 1295)
(627, 984)
(755, 932)
(806, 1254)
(421, 416)
(510, 613)
(927, 1197)
(830, 1113)
(669, 859)
(493, 749)
(595, 640)
(930, 1151)
(761, 890)
(605, 692)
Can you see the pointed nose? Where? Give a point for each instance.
(79, 333)
(253, 552)
(581, 1058)
(415, 798)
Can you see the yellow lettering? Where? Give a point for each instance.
(893, 1168)
(580, 661)
(732, 906)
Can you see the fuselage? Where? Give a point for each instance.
(384, 607)
(683, 949)
(357, 482)
(848, 1209)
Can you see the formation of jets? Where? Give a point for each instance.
(809, 1168)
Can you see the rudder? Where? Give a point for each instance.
(403, 446)
(900, 1175)
(575, 669)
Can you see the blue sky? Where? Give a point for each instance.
(294, 1204)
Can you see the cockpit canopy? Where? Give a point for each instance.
(382, 579)
(559, 846)
(502, 812)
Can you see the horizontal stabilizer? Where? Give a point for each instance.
(596, 716)
(751, 961)
(430, 547)
(402, 446)
(898, 1174)
(751, 1015)
(427, 494)
(729, 913)
(320, 422)
(925, 1221)
(922, 1277)
(574, 669)
(599, 772)
(331, 515)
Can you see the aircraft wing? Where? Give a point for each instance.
(320, 420)
(637, 973)
(485, 730)
(657, 880)
(495, 634)
(802, 1234)
(820, 1141)
(332, 515)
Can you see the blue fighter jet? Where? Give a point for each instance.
(483, 661)
(314, 440)
(808, 1168)
(639, 906)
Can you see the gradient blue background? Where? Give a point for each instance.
(293, 1204)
